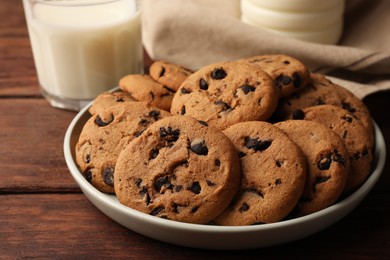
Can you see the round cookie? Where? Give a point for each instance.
(273, 175)
(168, 74)
(356, 137)
(288, 73)
(320, 91)
(356, 107)
(105, 134)
(178, 169)
(323, 91)
(327, 161)
(223, 94)
(144, 88)
(108, 99)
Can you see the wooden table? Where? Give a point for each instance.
(43, 213)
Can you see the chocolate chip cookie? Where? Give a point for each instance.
(169, 74)
(273, 175)
(327, 160)
(144, 88)
(223, 94)
(108, 99)
(288, 73)
(178, 169)
(356, 137)
(105, 134)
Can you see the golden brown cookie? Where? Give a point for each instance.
(144, 88)
(178, 169)
(223, 94)
(105, 134)
(273, 175)
(288, 73)
(168, 74)
(356, 137)
(327, 160)
(108, 99)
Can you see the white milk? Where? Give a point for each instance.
(83, 50)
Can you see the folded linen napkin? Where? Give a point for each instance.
(195, 33)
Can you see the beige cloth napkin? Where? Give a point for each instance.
(195, 33)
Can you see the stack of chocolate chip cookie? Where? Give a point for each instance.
(251, 141)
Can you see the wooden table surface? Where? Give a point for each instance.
(43, 213)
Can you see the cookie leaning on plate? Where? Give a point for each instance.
(106, 133)
(327, 160)
(179, 169)
(225, 93)
(273, 175)
(355, 135)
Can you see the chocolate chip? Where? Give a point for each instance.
(161, 182)
(345, 134)
(244, 207)
(278, 181)
(100, 122)
(279, 163)
(298, 114)
(286, 62)
(225, 106)
(162, 72)
(194, 209)
(256, 144)
(199, 147)
(218, 73)
(365, 152)
(247, 88)
(203, 123)
(297, 81)
(347, 118)
(187, 91)
(203, 84)
(210, 183)
(153, 154)
(325, 162)
(143, 122)
(178, 188)
(337, 157)
(241, 154)
(155, 114)
(138, 182)
(87, 158)
(108, 175)
(282, 80)
(169, 134)
(144, 193)
(195, 187)
(348, 107)
(138, 133)
(156, 210)
(217, 162)
(356, 156)
(88, 175)
(183, 110)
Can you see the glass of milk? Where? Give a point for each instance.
(83, 47)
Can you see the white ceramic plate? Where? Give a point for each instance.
(217, 237)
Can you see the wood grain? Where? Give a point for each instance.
(31, 147)
(68, 226)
